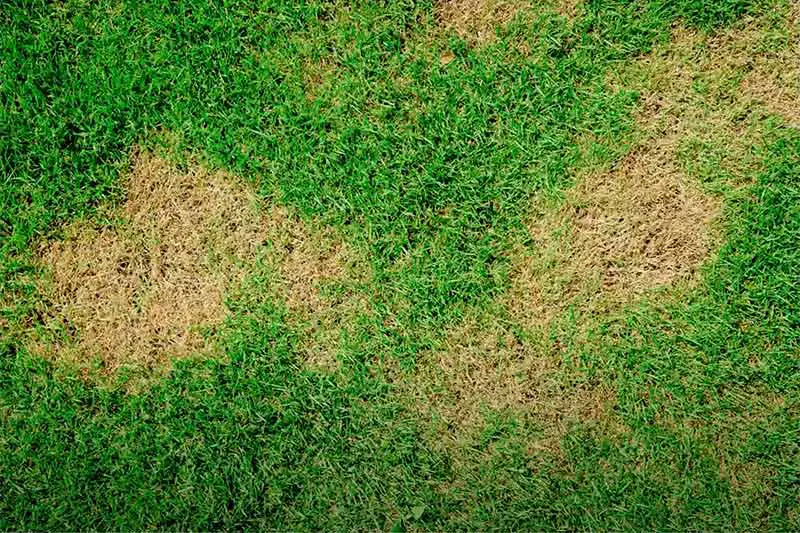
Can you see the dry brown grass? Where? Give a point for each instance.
(617, 235)
(318, 76)
(753, 67)
(643, 224)
(773, 77)
(476, 20)
(483, 367)
(308, 261)
(139, 292)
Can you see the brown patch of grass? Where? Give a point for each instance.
(773, 80)
(483, 367)
(643, 223)
(617, 235)
(139, 292)
(318, 76)
(754, 66)
(319, 279)
(476, 20)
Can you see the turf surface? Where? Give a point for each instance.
(345, 112)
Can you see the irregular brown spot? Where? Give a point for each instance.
(618, 234)
(308, 262)
(773, 80)
(140, 291)
(476, 20)
(446, 57)
(644, 223)
(621, 232)
(318, 76)
(717, 79)
(483, 367)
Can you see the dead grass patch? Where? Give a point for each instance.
(617, 234)
(318, 76)
(476, 20)
(773, 80)
(754, 67)
(483, 367)
(320, 281)
(644, 224)
(140, 291)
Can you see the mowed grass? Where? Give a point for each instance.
(424, 150)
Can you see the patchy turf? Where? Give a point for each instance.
(413, 265)
(140, 290)
(137, 291)
(617, 234)
(477, 21)
(485, 369)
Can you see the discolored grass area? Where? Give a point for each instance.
(477, 20)
(617, 234)
(485, 369)
(411, 265)
(140, 290)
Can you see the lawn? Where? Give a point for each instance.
(440, 265)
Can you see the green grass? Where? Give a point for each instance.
(427, 169)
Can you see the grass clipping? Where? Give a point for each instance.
(148, 287)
